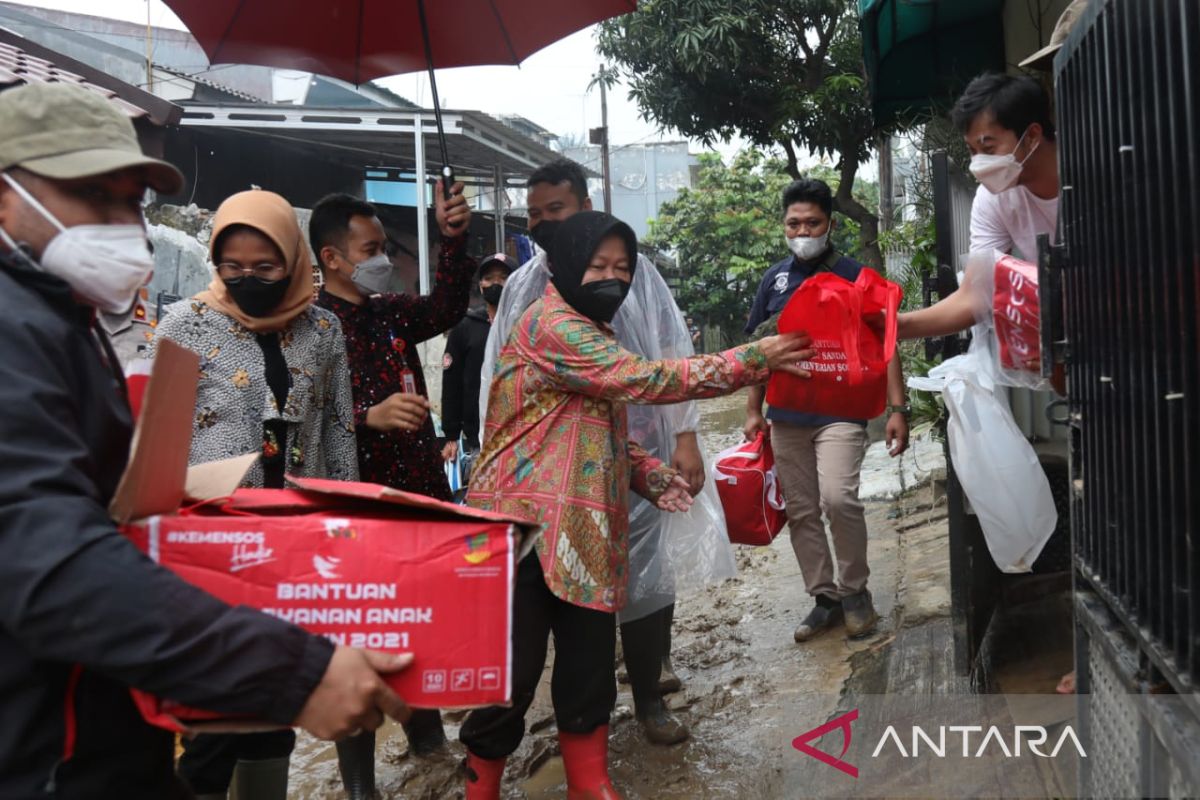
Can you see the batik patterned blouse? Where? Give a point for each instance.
(556, 449)
(233, 399)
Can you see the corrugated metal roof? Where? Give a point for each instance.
(18, 67)
(204, 81)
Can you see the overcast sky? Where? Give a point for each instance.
(550, 87)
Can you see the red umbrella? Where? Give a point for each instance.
(358, 40)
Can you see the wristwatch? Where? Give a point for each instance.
(905, 409)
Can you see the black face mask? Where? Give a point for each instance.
(257, 297)
(575, 242)
(600, 300)
(543, 233)
(491, 294)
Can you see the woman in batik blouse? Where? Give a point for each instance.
(273, 379)
(556, 452)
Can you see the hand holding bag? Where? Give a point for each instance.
(853, 328)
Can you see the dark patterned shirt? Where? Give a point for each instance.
(381, 340)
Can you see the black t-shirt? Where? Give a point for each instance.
(462, 366)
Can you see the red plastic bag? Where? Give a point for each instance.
(750, 493)
(1017, 315)
(853, 328)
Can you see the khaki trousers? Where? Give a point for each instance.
(818, 470)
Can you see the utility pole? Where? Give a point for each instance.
(887, 177)
(600, 135)
(149, 52)
(604, 149)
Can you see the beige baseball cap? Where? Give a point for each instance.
(63, 132)
(1043, 59)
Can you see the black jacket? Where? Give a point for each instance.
(74, 591)
(462, 366)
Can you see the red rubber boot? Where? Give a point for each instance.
(483, 777)
(585, 760)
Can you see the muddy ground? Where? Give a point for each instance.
(749, 689)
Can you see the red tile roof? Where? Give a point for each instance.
(18, 66)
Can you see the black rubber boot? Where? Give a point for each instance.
(668, 681)
(425, 732)
(260, 780)
(660, 725)
(644, 645)
(826, 614)
(356, 762)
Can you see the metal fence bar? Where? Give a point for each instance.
(1186, 128)
(1126, 87)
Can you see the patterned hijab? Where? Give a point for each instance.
(273, 217)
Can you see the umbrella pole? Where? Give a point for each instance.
(447, 170)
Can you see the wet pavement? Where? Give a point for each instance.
(749, 689)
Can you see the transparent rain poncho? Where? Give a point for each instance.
(667, 552)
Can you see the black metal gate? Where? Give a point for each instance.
(1128, 105)
(1130, 156)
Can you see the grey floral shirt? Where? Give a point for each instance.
(234, 400)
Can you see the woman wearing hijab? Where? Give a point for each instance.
(273, 379)
(556, 452)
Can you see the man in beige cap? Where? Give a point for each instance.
(83, 615)
(1044, 59)
(1007, 123)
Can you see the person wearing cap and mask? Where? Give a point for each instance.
(274, 380)
(1006, 123)
(649, 324)
(556, 451)
(462, 362)
(84, 615)
(1008, 127)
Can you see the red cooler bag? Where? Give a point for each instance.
(853, 328)
(1017, 314)
(750, 494)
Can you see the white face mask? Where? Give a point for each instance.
(1000, 173)
(806, 248)
(105, 265)
(373, 275)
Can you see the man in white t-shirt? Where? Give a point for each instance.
(1007, 125)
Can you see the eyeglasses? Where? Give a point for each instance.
(266, 272)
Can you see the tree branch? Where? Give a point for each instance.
(793, 164)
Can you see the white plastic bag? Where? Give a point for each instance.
(997, 467)
(1009, 323)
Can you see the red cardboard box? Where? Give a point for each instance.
(1016, 311)
(362, 564)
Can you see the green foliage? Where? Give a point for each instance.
(780, 73)
(727, 231)
(918, 241)
(927, 407)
